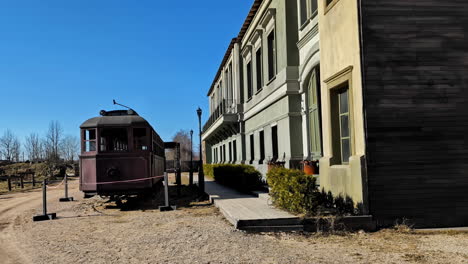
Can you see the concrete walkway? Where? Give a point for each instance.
(247, 212)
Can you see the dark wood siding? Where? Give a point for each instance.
(415, 68)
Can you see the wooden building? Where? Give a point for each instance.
(401, 66)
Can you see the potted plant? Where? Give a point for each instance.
(310, 167)
(274, 163)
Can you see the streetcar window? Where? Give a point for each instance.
(113, 140)
(89, 140)
(140, 140)
(90, 134)
(90, 146)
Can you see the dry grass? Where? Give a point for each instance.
(90, 231)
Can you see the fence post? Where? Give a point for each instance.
(44, 197)
(178, 180)
(166, 206)
(22, 182)
(66, 198)
(9, 183)
(33, 180)
(45, 215)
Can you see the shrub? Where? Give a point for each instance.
(208, 171)
(293, 190)
(297, 192)
(241, 177)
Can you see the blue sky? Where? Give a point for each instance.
(66, 60)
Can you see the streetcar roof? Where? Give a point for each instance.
(109, 121)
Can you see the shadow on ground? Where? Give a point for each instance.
(187, 196)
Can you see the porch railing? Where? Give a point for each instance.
(227, 106)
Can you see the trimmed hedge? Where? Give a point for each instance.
(293, 190)
(241, 177)
(297, 192)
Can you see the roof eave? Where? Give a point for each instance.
(240, 36)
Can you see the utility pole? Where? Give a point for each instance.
(201, 176)
(191, 158)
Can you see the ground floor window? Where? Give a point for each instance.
(341, 125)
(230, 151)
(221, 158)
(274, 142)
(252, 149)
(224, 153)
(262, 147)
(234, 151)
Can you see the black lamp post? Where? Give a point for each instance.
(201, 176)
(191, 158)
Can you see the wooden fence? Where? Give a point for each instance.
(19, 180)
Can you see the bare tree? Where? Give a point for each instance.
(33, 147)
(183, 137)
(6, 144)
(53, 140)
(70, 148)
(43, 154)
(15, 150)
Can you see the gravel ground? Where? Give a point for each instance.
(94, 231)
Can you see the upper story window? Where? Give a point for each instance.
(212, 98)
(271, 45)
(308, 9)
(231, 86)
(249, 80)
(228, 85)
(221, 90)
(259, 68)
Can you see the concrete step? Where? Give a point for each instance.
(293, 221)
(282, 228)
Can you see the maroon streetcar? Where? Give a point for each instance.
(121, 155)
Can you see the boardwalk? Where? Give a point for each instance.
(248, 212)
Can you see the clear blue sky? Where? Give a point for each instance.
(66, 60)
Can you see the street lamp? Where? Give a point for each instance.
(201, 176)
(191, 158)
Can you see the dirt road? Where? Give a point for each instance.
(94, 231)
(18, 208)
